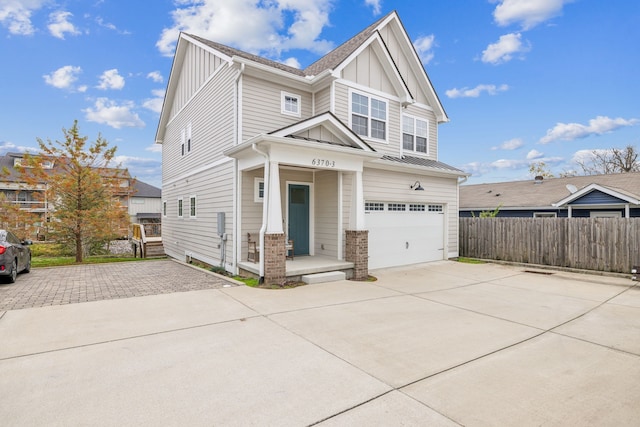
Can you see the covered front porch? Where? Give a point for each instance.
(302, 187)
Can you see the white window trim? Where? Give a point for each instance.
(283, 110)
(256, 190)
(605, 214)
(422, 119)
(164, 208)
(180, 206)
(386, 120)
(193, 199)
(183, 139)
(189, 140)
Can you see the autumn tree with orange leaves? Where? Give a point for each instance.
(82, 188)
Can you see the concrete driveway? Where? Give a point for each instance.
(440, 344)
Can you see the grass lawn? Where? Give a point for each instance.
(47, 261)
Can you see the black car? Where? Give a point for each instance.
(15, 256)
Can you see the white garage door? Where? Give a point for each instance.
(404, 233)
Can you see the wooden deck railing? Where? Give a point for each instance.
(147, 237)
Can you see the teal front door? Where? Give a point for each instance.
(299, 218)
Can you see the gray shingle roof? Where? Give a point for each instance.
(142, 189)
(328, 62)
(528, 194)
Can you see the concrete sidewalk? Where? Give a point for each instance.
(433, 344)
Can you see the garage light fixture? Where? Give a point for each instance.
(416, 186)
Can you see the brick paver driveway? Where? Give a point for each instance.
(94, 282)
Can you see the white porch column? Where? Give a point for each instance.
(274, 214)
(570, 211)
(356, 217)
(627, 212)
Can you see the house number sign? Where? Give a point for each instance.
(323, 162)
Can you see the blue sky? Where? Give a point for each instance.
(521, 80)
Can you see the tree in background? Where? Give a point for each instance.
(540, 168)
(82, 188)
(611, 161)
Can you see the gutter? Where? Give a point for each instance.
(265, 206)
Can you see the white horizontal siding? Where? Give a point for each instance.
(323, 101)
(198, 236)
(144, 205)
(261, 107)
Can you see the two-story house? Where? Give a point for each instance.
(341, 158)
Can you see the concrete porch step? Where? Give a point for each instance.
(329, 276)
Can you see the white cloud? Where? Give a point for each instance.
(156, 76)
(110, 79)
(10, 147)
(534, 154)
(512, 144)
(528, 13)
(376, 5)
(424, 46)
(155, 104)
(154, 148)
(256, 27)
(504, 49)
(108, 112)
(59, 24)
(476, 91)
(508, 164)
(110, 26)
(597, 126)
(63, 77)
(16, 15)
(585, 156)
(292, 62)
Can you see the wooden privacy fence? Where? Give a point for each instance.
(602, 244)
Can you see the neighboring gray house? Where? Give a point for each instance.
(614, 195)
(145, 203)
(341, 158)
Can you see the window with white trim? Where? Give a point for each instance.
(164, 208)
(189, 138)
(291, 104)
(368, 116)
(258, 190)
(415, 134)
(183, 139)
(180, 207)
(192, 206)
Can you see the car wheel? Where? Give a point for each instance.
(27, 267)
(13, 274)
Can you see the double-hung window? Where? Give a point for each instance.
(368, 116)
(414, 134)
(290, 104)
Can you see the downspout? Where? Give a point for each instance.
(237, 182)
(265, 206)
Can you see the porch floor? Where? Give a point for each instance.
(303, 265)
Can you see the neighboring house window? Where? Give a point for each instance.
(545, 215)
(368, 116)
(179, 208)
(192, 206)
(414, 134)
(258, 190)
(164, 208)
(605, 214)
(291, 104)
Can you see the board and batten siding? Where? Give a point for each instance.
(262, 107)
(402, 63)
(366, 70)
(198, 237)
(210, 114)
(197, 66)
(388, 186)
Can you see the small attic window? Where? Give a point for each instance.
(290, 103)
